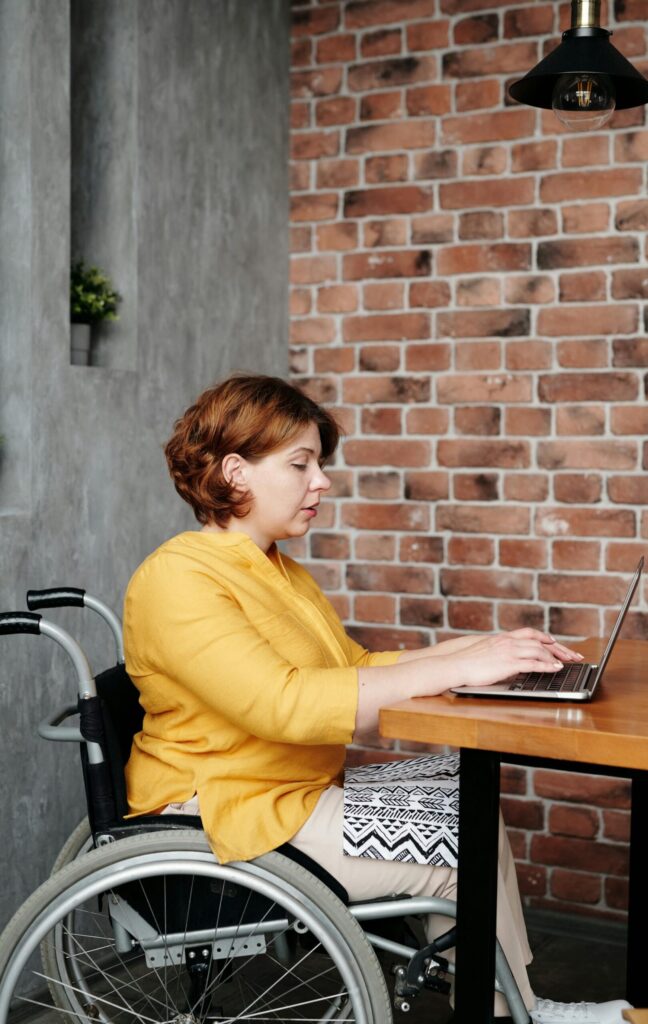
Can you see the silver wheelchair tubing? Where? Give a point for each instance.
(187, 862)
(113, 621)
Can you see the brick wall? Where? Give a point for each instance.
(469, 287)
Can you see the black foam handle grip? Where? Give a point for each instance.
(19, 622)
(55, 597)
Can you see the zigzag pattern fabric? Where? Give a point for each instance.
(403, 810)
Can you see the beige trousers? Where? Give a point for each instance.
(321, 838)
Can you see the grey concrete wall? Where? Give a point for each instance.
(182, 196)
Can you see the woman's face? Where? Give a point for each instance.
(286, 487)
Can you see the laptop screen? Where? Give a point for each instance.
(619, 621)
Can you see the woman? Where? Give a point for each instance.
(252, 688)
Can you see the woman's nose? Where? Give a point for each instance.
(320, 482)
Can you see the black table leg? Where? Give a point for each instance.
(477, 886)
(637, 980)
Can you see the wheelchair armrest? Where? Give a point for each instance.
(51, 729)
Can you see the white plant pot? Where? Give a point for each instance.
(80, 344)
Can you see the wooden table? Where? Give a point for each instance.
(607, 736)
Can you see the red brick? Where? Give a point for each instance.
(584, 218)
(585, 252)
(400, 390)
(567, 387)
(471, 259)
(336, 49)
(314, 22)
(630, 351)
(301, 51)
(477, 95)
(628, 490)
(427, 421)
(300, 176)
(531, 879)
(526, 486)
(484, 420)
(383, 43)
(299, 115)
(409, 263)
(585, 522)
(379, 358)
(533, 289)
(630, 284)
(528, 355)
(631, 10)
(329, 545)
(341, 110)
(632, 215)
(518, 616)
(578, 488)
(380, 138)
(532, 223)
(486, 583)
(434, 164)
(382, 106)
(375, 547)
(421, 549)
(321, 82)
(498, 126)
(337, 236)
(337, 298)
(379, 169)
(576, 554)
(386, 327)
(513, 779)
(378, 233)
(493, 388)
(390, 578)
(576, 622)
(380, 420)
(384, 638)
(391, 72)
(320, 389)
(586, 151)
(387, 453)
(482, 519)
(580, 419)
(312, 269)
(314, 206)
(417, 611)
(616, 825)
(575, 886)
(426, 486)
(578, 320)
(341, 480)
(375, 516)
(429, 294)
(527, 422)
(374, 608)
(526, 554)
(527, 814)
(624, 557)
(461, 195)
(363, 13)
(583, 353)
(379, 485)
(631, 146)
(334, 360)
(534, 156)
(629, 420)
(471, 551)
(565, 820)
(298, 360)
(490, 60)
(586, 287)
(555, 188)
(428, 35)
(390, 200)
(326, 574)
(428, 100)
(481, 28)
(603, 858)
(481, 224)
(470, 615)
(470, 487)
(313, 145)
(432, 357)
(385, 295)
(478, 355)
(536, 20)
(503, 454)
(300, 302)
(570, 589)
(616, 893)
(436, 227)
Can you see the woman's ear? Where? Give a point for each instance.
(234, 470)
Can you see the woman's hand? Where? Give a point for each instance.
(495, 658)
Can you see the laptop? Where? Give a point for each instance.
(573, 682)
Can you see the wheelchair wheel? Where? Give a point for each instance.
(78, 842)
(152, 929)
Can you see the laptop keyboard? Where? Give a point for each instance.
(566, 679)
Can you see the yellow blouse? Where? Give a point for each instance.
(249, 685)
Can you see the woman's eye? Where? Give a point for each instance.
(299, 465)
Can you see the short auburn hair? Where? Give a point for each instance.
(250, 414)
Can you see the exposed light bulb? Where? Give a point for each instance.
(582, 101)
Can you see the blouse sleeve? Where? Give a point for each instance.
(185, 628)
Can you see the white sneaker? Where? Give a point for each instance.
(546, 1011)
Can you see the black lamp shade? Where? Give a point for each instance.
(582, 50)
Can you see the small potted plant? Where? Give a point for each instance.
(93, 299)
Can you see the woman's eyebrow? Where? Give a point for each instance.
(303, 448)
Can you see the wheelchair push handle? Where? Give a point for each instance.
(75, 597)
(55, 597)
(19, 622)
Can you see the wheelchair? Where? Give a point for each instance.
(140, 923)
